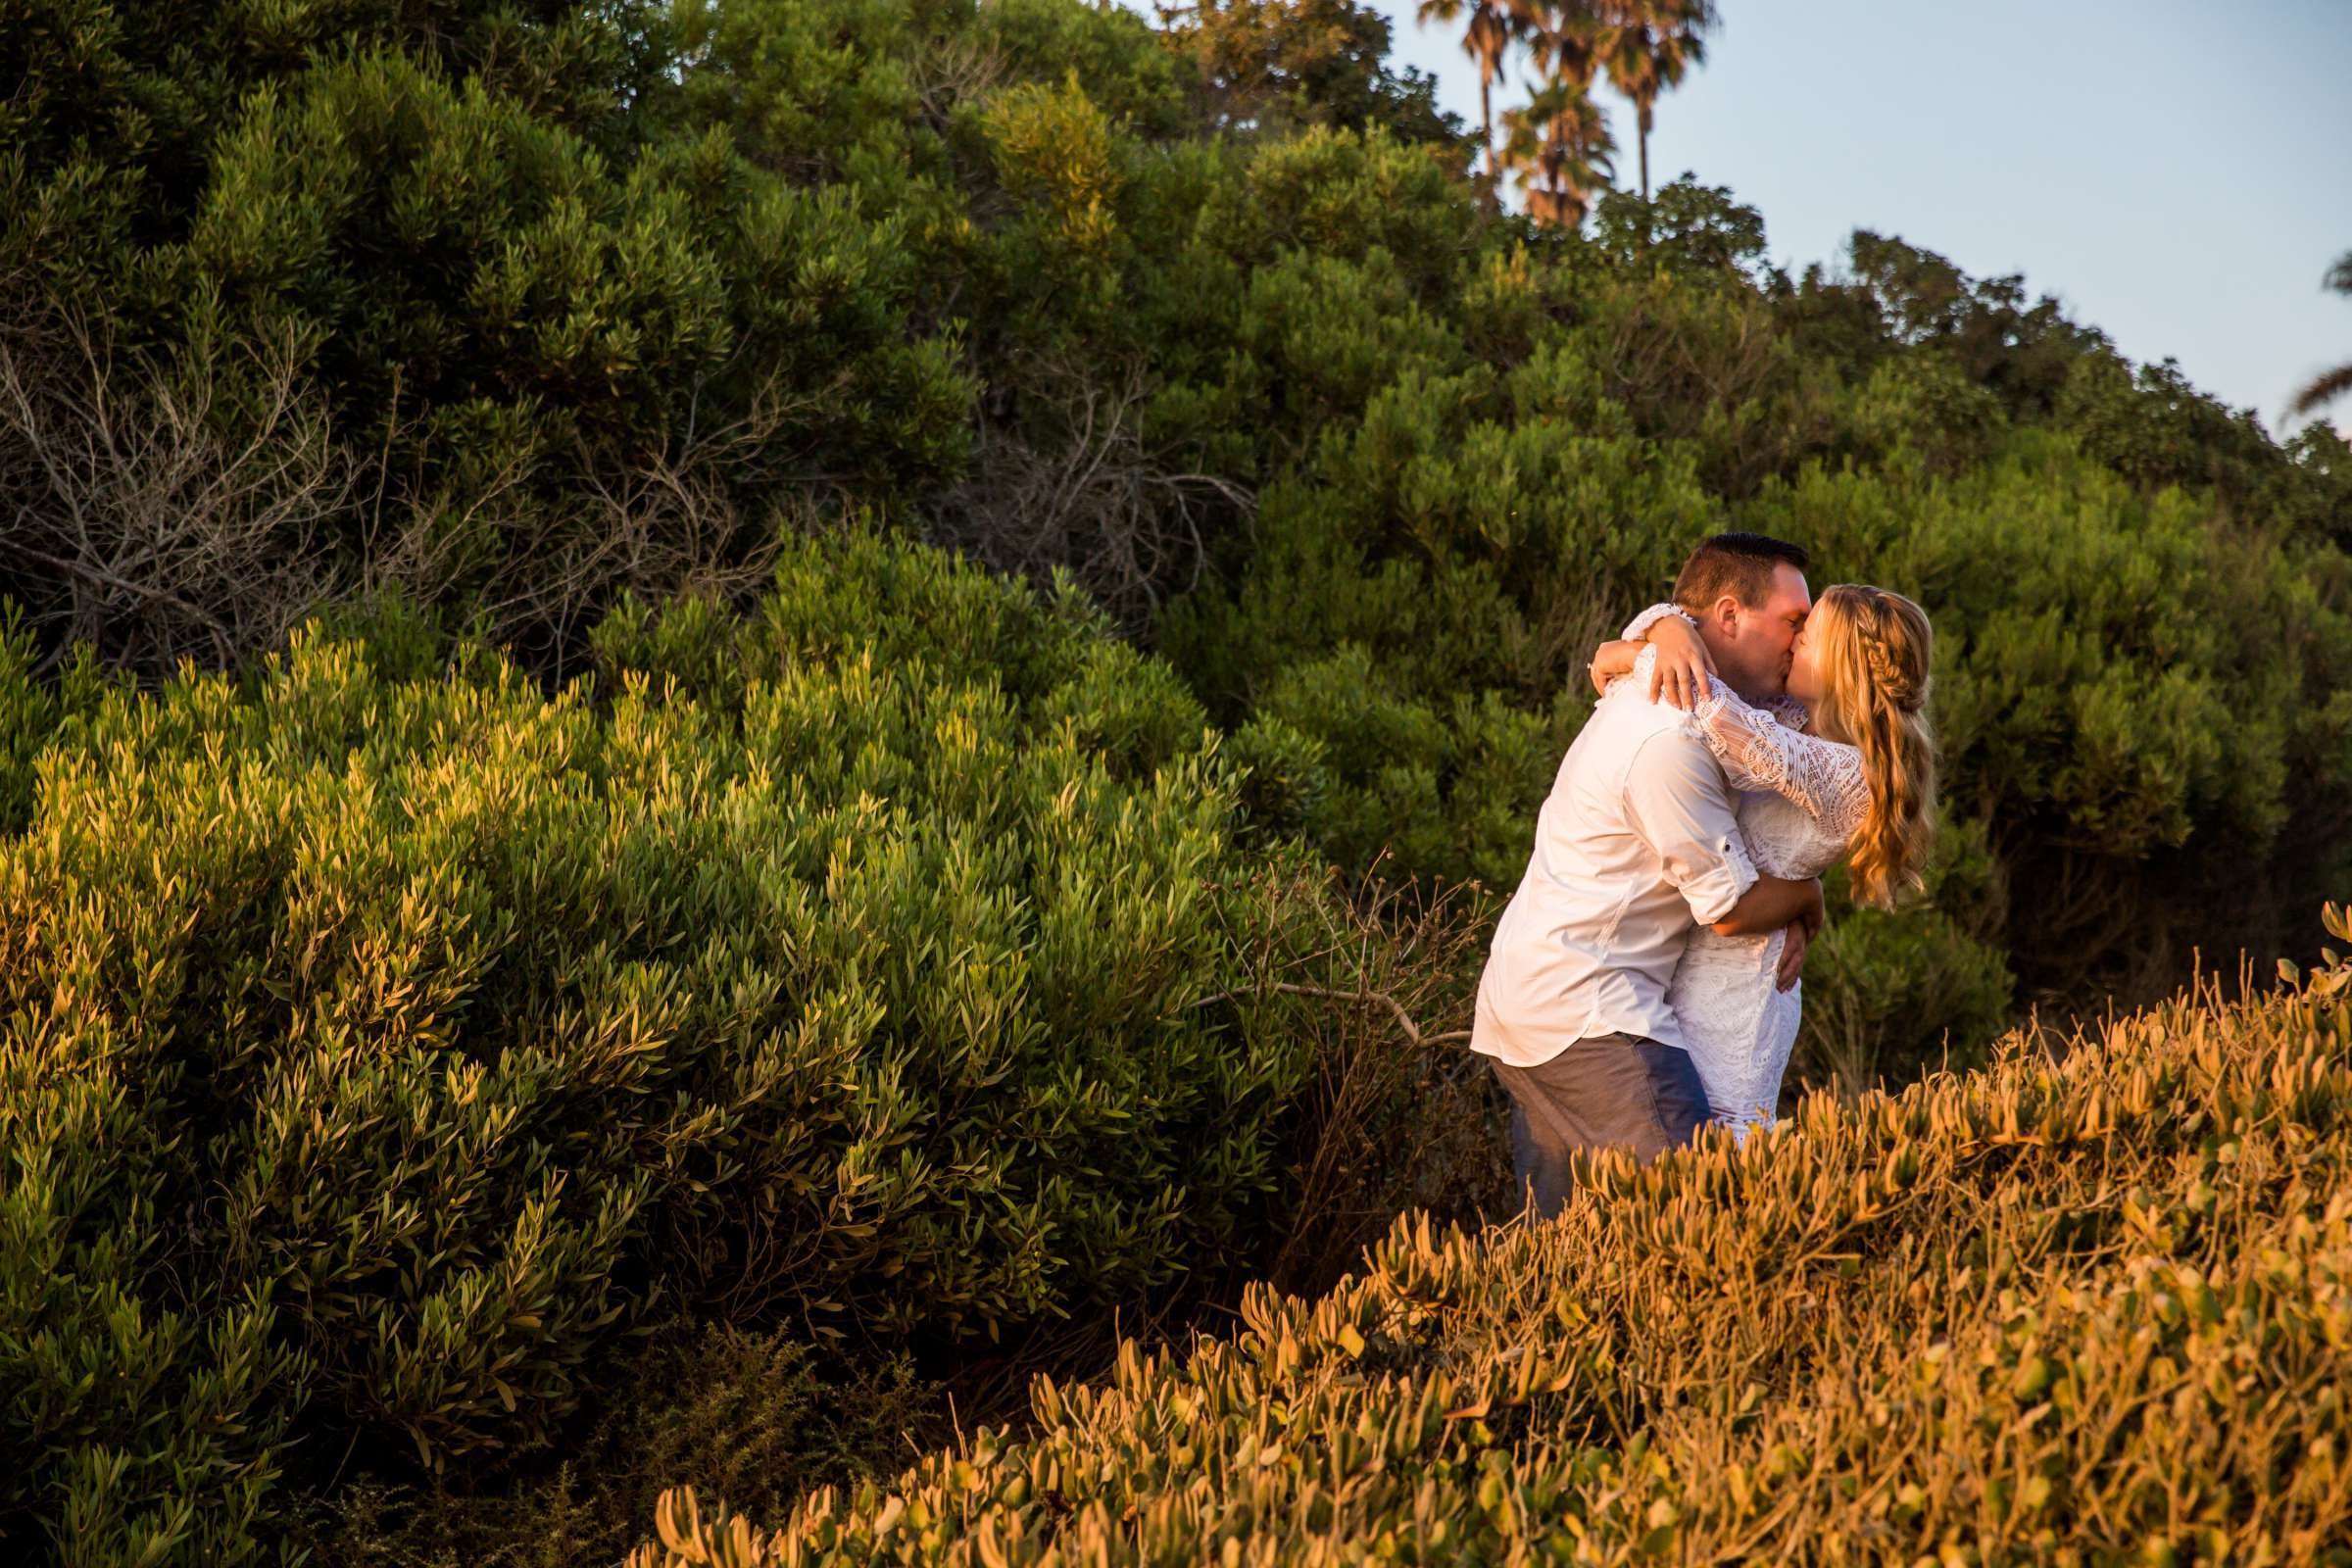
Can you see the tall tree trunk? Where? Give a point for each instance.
(1642, 120)
(1486, 111)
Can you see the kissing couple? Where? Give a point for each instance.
(1643, 979)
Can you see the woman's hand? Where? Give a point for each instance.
(1682, 665)
(1610, 662)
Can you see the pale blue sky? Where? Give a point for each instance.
(2179, 175)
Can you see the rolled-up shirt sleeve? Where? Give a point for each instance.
(1678, 802)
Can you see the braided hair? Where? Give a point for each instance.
(1873, 654)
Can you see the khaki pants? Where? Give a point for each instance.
(1604, 1092)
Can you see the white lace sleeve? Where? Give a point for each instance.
(1638, 628)
(1758, 752)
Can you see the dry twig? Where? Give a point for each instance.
(166, 509)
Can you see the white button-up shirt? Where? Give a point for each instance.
(1635, 844)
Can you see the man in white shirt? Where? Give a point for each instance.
(1635, 844)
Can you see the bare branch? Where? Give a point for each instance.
(1063, 478)
(83, 568)
(177, 505)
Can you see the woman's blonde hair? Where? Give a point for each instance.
(1873, 650)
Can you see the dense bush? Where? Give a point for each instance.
(383, 1045)
(2087, 1310)
(523, 311)
(355, 297)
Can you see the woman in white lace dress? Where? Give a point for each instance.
(1843, 767)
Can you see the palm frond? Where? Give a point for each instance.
(2324, 388)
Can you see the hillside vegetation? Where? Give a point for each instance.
(725, 720)
(2096, 1310)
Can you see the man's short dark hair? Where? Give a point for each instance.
(1736, 564)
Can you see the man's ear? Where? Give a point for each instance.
(1725, 614)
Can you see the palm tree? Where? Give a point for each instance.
(1565, 37)
(1652, 44)
(1561, 148)
(1559, 143)
(1492, 29)
(2328, 385)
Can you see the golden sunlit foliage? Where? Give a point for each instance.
(2098, 1309)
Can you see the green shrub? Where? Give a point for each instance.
(2083, 1310)
(488, 292)
(32, 709)
(305, 307)
(377, 1054)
